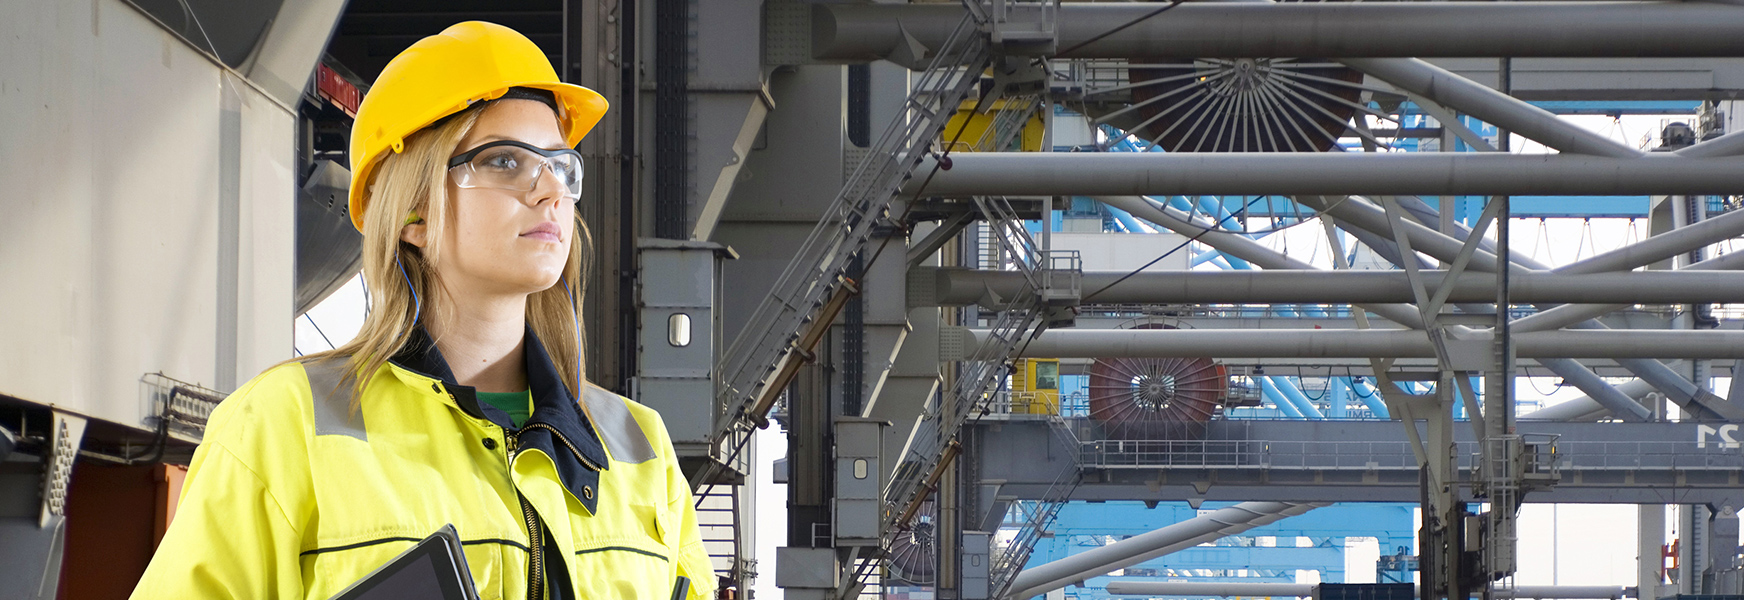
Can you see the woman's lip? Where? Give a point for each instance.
(546, 231)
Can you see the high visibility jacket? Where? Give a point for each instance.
(293, 495)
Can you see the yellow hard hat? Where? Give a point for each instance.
(445, 73)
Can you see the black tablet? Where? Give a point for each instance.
(433, 568)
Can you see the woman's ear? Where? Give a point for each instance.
(416, 234)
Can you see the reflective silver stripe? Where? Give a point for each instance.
(617, 428)
(333, 399)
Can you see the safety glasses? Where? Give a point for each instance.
(515, 166)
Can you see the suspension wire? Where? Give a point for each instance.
(311, 320)
(1164, 255)
(1098, 37)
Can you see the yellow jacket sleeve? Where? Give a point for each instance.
(236, 531)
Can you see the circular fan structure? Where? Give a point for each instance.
(1155, 398)
(914, 556)
(1243, 104)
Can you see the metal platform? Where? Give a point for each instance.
(1358, 461)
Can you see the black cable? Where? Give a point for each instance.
(330, 345)
(1098, 37)
(1196, 236)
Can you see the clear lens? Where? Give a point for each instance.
(518, 169)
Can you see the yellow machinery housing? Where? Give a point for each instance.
(977, 123)
(1035, 386)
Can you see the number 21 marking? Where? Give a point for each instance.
(1727, 440)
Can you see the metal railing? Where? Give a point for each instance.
(1545, 461)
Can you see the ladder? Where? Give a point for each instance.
(785, 329)
(933, 446)
(1037, 517)
(718, 519)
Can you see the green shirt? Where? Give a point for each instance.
(519, 405)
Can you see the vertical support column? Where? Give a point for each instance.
(673, 178)
(1499, 545)
(598, 53)
(229, 231)
(1650, 550)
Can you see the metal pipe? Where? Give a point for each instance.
(1491, 106)
(1600, 393)
(1570, 314)
(1327, 174)
(1367, 216)
(1660, 247)
(1146, 546)
(859, 32)
(1241, 247)
(961, 286)
(1584, 407)
(1365, 343)
(1725, 145)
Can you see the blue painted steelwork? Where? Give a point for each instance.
(1284, 387)
(1370, 397)
(1204, 257)
(1270, 390)
(1264, 554)
(1126, 220)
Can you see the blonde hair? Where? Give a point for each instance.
(416, 179)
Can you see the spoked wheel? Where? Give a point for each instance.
(1155, 398)
(1245, 104)
(914, 553)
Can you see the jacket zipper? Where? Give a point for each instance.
(535, 541)
(559, 435)
(535, 533)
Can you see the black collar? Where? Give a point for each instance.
(553, 406)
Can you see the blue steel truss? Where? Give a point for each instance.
(1264, 554)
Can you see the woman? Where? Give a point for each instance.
(458, 401)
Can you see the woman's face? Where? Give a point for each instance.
(505, 241)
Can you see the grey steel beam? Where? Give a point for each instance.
(1240, 247)
(1327, 174)
(1371, 220)
(1570, 314)
(1146, 546)
(1362, 343)
(1725, 145)
(1358, 461)
(963, 286)
(1663, 246)
(1626, 79)
(861, 32)
(1367, 216)
(1600, 393)
(1491, 106)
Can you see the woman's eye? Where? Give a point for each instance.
(499, 161)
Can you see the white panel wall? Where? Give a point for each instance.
(110, 142)
(1124, 251)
